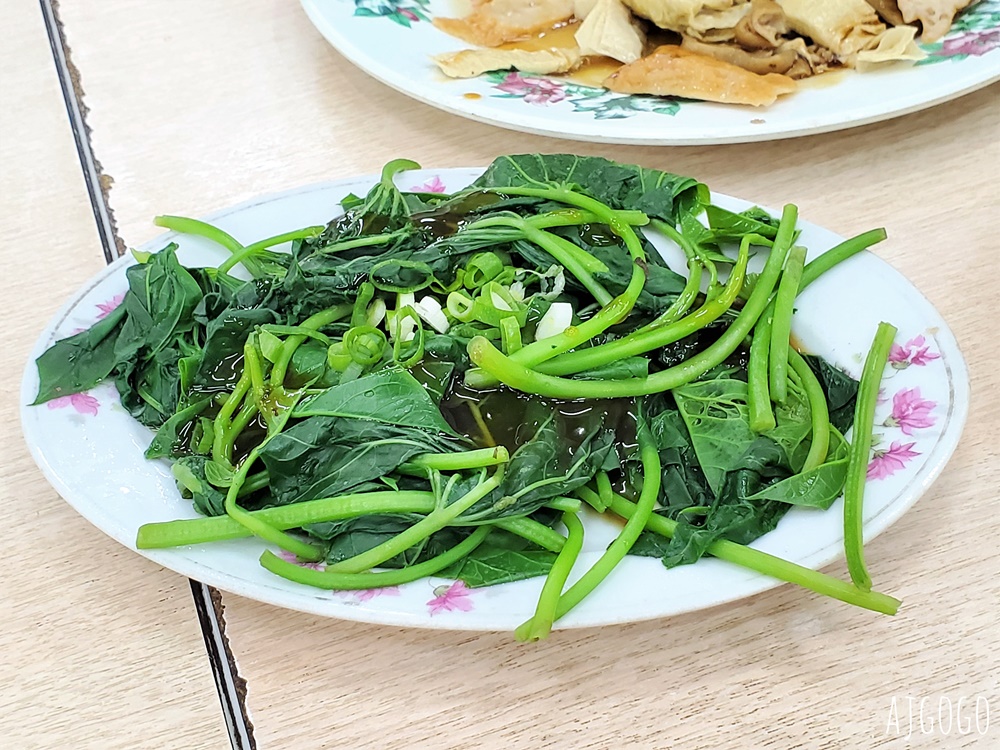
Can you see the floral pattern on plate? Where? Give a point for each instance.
(433, 185)
(450, 597)
(601, 103)
(291, 557)
(106, 308)
(360, 596)
(974, 33)
(81, 403)
(403, 12)
(909, 411)
(355, 596)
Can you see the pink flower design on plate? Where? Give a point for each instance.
(433, 185)
(975, 43)
(83, 403)
(898, 356)
(885, 463)
(366, 594)
(447, 598)
(537, 91)
(294, 559)
(363, 595)
(910, 411)
(913, 352)
(107, 307)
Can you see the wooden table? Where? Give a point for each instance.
(194, 106)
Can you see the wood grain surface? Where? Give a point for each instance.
(205, 105)
(98, 647)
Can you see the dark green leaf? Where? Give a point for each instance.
(817, 488)
(309, 367)
(163, 296)
(841, 391)
(490, 564)
(327, 456)
(716, 415)
(683, 482)
(225, 336)
(564, 453)
(189, 472)
(159, 330)
(621, 186)
(729, 226)
(392, 396)
(78, 363)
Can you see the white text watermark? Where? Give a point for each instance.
(940, 714)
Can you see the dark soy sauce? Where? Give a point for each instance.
(503, 416)
(250, 438)
(599, 235)
(446, 219)
(223, 377)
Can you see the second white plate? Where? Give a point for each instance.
(393, 41)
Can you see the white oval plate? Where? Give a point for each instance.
(91, 450)
(393, 40)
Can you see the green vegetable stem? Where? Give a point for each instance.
(331, 579)
(435, 521)
(861, 442)
(769, 565)
(620, 547)
(655, 335)
(540, 624)
(781, 323)
(515, 375)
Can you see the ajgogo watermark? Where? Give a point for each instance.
(911, 715)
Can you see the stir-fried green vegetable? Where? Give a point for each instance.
(440, 384)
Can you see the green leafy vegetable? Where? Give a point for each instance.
(429, 383)
(871, 379)
(621, 186)
(496, 563)
(327, 456)
(80, 362)
(392, 396)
